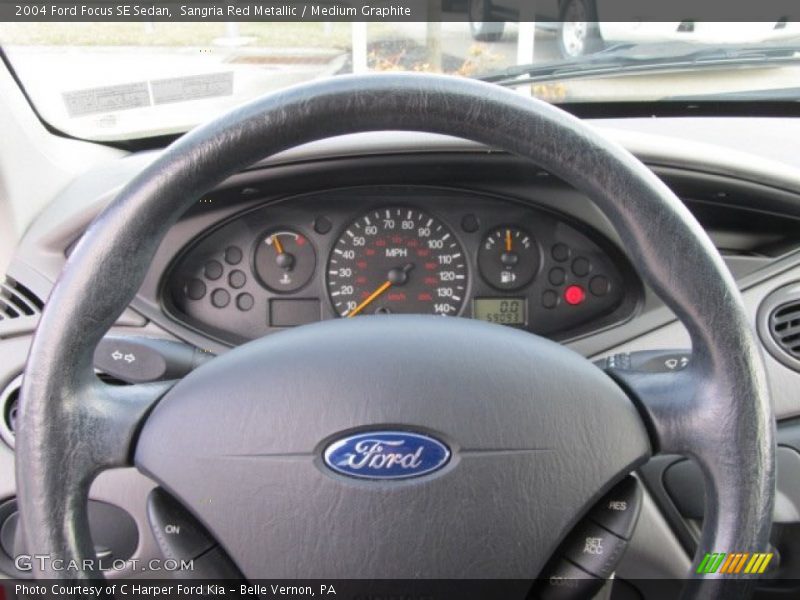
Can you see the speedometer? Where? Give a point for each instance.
(397, 260)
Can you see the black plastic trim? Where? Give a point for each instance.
(582, 110)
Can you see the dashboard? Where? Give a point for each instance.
(375, 250)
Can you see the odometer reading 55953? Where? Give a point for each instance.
(397, 260)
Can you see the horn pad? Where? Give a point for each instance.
(533, 433)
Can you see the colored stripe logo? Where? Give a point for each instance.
(735, 563)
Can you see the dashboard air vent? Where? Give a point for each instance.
(17, 301)
(779, 324)
(785, 327)
(9, 405)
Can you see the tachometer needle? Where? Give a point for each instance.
(384, 286)
(508, 240)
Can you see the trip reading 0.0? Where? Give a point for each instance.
(504, 311)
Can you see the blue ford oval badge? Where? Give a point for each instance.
(386, 455)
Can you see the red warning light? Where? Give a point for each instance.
(574, 295)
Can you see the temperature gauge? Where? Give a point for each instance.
(285, 260)
(508, 258)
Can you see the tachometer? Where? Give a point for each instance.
(397, 260)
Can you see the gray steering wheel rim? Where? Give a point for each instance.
(70, 428)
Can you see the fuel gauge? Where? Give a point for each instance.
(285, 260)
(508, 258)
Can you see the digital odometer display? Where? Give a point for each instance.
(397, 260)
(505, 311)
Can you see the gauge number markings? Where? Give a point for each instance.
(409, 258)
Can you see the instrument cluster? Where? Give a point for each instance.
(393, 250)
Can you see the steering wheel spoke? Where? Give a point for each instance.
(116, 414)
(666, 398)
(91, 427)
(690, 411)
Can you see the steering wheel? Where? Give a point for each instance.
(535, 431)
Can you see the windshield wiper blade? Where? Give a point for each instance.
(790, 94)
(635, 59)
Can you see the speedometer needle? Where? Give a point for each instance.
(397, 276)
(384, 286)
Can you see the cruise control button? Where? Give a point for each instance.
(567, 582)
(619, 510)
(178, 533)
(595, 549)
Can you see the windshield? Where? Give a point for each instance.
(117, 81)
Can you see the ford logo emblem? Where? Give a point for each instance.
(386, 455)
